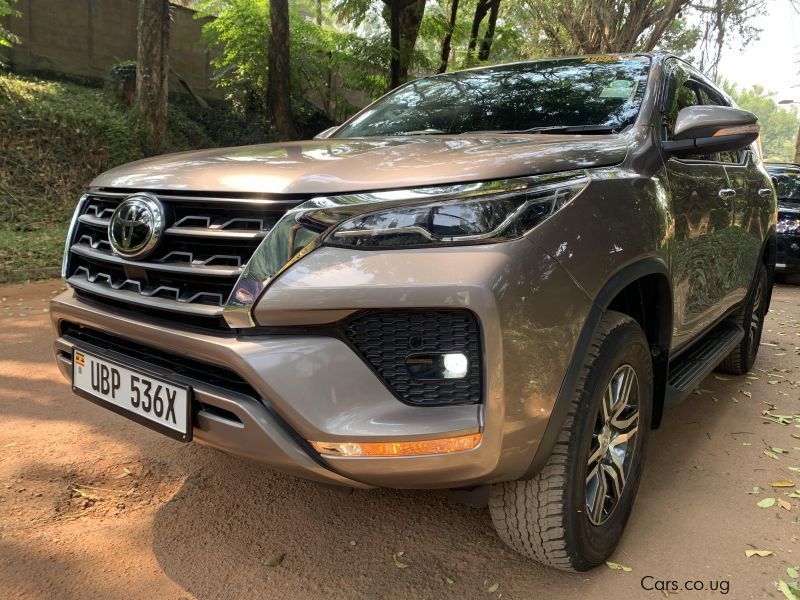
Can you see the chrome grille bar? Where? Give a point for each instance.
(191, 272)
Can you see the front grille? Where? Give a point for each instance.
(386, 338)
(175, 363)
(207, 242)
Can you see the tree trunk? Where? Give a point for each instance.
(152, 70)
(405, 17)
(481, 9)
(486, 43)
(797, 148)
(394, 43)
(279, 97)
(448, 38)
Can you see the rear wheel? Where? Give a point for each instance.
(571, 515)
(751, 318)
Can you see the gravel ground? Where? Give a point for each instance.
(95, 506)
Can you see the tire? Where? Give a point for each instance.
(751, 318)
(547, 517)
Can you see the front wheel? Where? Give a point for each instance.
(572, 514)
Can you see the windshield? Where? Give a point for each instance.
(788, 185)
(595, 91)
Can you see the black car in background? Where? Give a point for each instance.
(787, 182)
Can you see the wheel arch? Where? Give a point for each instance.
(643, 290)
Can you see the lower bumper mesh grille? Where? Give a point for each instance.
(385, 339)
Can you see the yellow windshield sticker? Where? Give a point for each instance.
(592, 59)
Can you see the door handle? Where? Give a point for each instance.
(727, 193)
(765, 193)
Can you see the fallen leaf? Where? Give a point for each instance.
(761, 553)
(618, 567)
(766, 503)
(276, 560)
(795, 469)
(755, 490)
(126, 472)
(779, 450)
(784, 504)
(792, 572)
(721, 378)
(399, 563)
(771, 454)
(84, 494)
(493, 588)
(449, 580)
(746, 393)
(782, 483)
(784, 588)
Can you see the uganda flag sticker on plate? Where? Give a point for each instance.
(79, 361)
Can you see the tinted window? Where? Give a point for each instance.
(603, 91)
(681, 93)
(788, 185)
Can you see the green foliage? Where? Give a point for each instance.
(56, 138)
(334, 70)
(7, 10)
(239, 30)
(778, 125)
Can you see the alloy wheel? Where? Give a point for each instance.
(613, 445)
(756, 318)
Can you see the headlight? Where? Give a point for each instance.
(493, 216)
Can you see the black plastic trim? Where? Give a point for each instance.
(616, 283)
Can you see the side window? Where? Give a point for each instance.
(711, 97)
(681, 92)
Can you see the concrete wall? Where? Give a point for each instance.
(85, 38)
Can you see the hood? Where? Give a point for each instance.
(360, 164)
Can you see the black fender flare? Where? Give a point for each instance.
(651, 265)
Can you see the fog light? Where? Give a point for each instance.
(453, 365)
(412, 448)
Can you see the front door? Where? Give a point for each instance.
(702, 206)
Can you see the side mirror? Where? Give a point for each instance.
(710, 129)
(324, 135)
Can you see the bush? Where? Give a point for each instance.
(56, 138)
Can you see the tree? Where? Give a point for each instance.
(482, 9)
(717, 18)
(405, 17)
(6, 10)
(279, 91)
(444, 56)
(602, 26)
(779, 126)
(152, 70)
(488, 37)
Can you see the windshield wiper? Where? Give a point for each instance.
(586, 129)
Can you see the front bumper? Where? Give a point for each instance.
(309, 387)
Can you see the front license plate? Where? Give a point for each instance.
(133, 393)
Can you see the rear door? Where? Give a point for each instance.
(702, 206)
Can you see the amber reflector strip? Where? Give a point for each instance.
(413, 448)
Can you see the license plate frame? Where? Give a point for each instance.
(182, 435)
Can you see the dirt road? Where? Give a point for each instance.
(95, 506)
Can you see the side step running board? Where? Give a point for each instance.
(690, 368)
